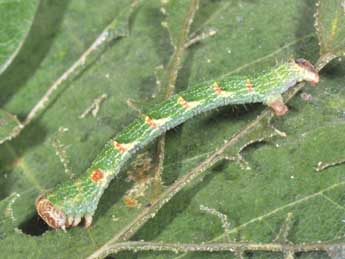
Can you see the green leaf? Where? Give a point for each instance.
(9, 126)
(329, 24)
(330, 19)
(16, 20)
(251, 36)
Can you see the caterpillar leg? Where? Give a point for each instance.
(76, 221)
(70, 220)
(88, 221)
(277, 105)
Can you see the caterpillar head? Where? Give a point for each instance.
(308, 71)
(54, 217)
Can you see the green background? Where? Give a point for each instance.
(251, 36)
(16, 20)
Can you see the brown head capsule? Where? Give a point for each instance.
(54, 217)
(309, 72)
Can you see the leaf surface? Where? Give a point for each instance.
(282, 178)
(9, 124)
(330, 19)
(16, 20)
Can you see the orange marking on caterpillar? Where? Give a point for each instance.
(150, 122)
(249, 86)
(183, 102)
(119, 147)
(130, 202)
(97, 175)
(217, 88)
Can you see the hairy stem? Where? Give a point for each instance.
(322, 165)
(212, 247)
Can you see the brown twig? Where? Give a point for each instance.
(322, 165)
(212, 247)
(282, 236)
(222, 217)
(172, 71)
(93, 109)
(200, 37)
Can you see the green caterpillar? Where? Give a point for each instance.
(73, 200)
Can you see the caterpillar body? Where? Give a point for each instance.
(71, 201)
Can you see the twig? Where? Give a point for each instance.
(222, 217)
(282, 236)
(94, 107)
(175, 61)
(134, 107)
(322, 165)
(289, 249)
(200, 37)
(172, 71)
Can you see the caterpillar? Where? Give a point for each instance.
(74, 200)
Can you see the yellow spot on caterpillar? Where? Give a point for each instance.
(122, 148)
(161, 122)
(119, 147)
(186, 104)
(217, 88)
(219, 91)
(149, 121)
(249, 85)
(194, 104)
(183, 102)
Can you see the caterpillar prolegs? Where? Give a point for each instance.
(71, 201)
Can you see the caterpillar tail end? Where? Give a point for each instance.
(56, 218)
